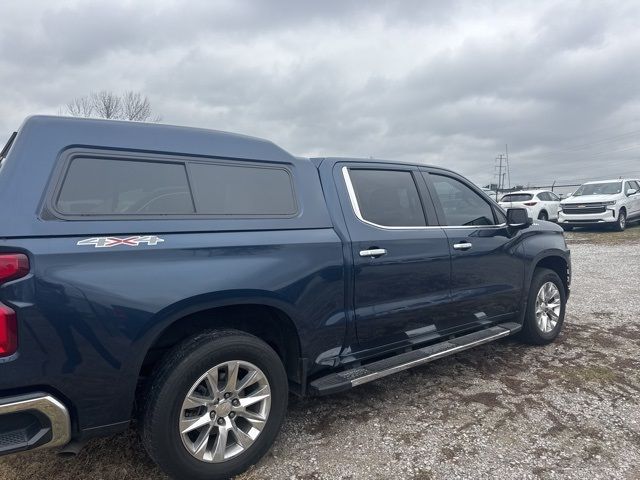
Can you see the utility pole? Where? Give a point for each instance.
(501, 169)
(506, 153)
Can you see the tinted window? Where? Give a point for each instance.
(517, 197)
(96, 186)
(242, 190)
(635, 185)
(461, 205)
(388, 197)
(553, 197)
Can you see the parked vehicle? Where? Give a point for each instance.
(611, 202)
(191, 279)
(540, 204)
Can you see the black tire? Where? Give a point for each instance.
(178, 371)
(621, 223)
(531, 332)
(543, 215)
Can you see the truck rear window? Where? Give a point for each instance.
(95, 186)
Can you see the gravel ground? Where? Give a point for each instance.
(505, 410)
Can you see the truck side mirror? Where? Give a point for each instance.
(518, 218)
(631, 191)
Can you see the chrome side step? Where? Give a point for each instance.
(341, 381)
(31, 421)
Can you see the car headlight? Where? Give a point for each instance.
(612, 202)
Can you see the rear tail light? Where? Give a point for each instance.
(8, 331)
(530, 204)
(12, 266)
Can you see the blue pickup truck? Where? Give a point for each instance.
(188, 280)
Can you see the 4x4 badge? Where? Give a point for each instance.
(106, 242)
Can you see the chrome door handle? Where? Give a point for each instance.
(462, 246)
(373, 253)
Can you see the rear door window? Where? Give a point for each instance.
(97, 186)
(387, 198)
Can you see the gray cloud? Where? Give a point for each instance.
(438, 82)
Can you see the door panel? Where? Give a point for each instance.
(401, 291)
(487, 271)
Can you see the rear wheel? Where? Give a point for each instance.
(545, 308)
(621, 224)
(215, 406)
(543, 215)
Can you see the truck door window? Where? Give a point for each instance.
(387, 198)
(460, 204)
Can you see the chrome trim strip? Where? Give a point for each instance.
(430, 358)
(51, 408)
(356, 210)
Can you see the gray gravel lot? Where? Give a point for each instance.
(505, 410)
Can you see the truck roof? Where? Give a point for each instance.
(44, 145)
(157, 137)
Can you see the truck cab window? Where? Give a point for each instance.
(387, 198)
(460, 204)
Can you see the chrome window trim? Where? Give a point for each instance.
(356, 210)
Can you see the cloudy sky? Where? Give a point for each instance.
(447, 83)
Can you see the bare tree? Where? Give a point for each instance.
(105, 104)
(79, 107)
(136, 106)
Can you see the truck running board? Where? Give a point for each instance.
(341, 381)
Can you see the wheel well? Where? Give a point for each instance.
(543, 211)
(623, 209)
(267, 323)
(558, 265)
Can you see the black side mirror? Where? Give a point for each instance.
(518, 218)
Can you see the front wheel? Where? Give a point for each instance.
(545, 308)
(621, 224)
(215, 406)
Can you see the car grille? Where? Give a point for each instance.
(581, 209)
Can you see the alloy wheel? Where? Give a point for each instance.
(548, 306)
(225, 411)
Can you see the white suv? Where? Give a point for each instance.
(541, 204)
(608, 202)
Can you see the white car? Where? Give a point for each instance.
(541, 204)
(606, 202)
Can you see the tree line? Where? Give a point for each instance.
(105, 104)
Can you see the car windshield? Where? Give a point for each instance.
(604, 188)
(517, 197)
